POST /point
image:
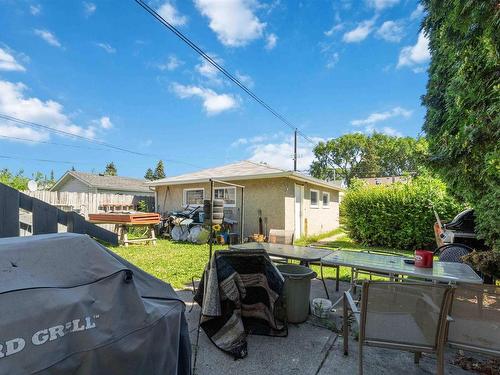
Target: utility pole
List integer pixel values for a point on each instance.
(295, 151)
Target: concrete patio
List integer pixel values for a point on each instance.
(308, 349)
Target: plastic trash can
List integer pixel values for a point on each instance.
(297, 291)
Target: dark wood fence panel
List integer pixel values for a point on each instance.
(9, 212)
(45, 217)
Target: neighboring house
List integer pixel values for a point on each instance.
(385, 180)
(81, 182)
(284, 199)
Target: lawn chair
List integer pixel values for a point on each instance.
(475, 321)
(240, 293)
(404, 316)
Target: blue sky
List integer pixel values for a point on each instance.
(108, 70)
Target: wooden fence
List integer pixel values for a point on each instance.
(45, 217)
(91, 203)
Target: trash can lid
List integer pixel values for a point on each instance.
(296, 271)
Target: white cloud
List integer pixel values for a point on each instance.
(170, 14)
(48, 37)
(206, 69)
(332, 60)
(257, 139)
(245, 79)
(233, 21)
(89, 8)
(335, 28)
(13, 102)
(382, 116)
(418, 12)
(382, 4)
(391, 31)
(213, 103)
(415, 56)
(9, 63)
(171, 64)
(271, 41)
(106, 47)
(359, 33)
(35, 9)
(105, 122)
(391, 131)
(280, 152)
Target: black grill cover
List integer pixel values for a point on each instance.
(68, 305)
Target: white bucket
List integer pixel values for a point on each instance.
(320, 307)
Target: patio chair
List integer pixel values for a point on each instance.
(475, 323)
(240, 293)
(403, 316)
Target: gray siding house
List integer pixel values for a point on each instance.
(80, 182)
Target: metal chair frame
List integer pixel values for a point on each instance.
(361, 314)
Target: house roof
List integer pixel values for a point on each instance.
(97, 181)
(241, 170)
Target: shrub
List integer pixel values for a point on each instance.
(398, 215)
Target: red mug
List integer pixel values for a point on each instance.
(423, 258)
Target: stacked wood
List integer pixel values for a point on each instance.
(139, 218)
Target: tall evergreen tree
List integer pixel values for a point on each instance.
(159, 170)
(110, 169)
(149, 175)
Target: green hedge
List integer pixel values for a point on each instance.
(399, 215)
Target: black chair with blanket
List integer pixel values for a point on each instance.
(240, 293)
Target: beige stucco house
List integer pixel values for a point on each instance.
(283, 199)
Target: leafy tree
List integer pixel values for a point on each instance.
(149, 175)
(17, 181)
(159, 170)
(376, 155)
(110, 169)
(463, 106)
(52, 178)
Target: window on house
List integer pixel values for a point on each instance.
(326, 199)
(228, 194)
(314, 198)
(193, 196)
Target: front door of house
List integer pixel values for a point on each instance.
(299, 195)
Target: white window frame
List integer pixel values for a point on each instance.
(228, 188)
(322, 200)
(317, 198)
(184, 196)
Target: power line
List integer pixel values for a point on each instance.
(50, 143)
(230, 76)
(62, 132)
(42, 160)
(86, 139)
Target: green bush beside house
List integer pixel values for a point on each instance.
(399, 215)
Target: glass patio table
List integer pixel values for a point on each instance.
(393, 266)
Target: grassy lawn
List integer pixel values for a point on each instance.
(173, 262)
(176, 263)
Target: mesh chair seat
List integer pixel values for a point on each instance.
(405, 316)
(476, 319)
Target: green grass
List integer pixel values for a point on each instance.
(177, 263)
(305, 241)
(173, 262)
